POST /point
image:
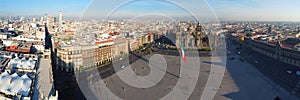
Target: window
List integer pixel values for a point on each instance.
(46, 56)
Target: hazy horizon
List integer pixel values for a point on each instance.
(224, 10)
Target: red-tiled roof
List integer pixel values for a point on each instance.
(272, 43)
(291, 41)
(69, 31)
(287, 46)
(16, 49)
(104, 41)
(57, 43)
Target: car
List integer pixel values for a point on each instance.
(122, 67)
(228, 52)
(2, 68)
(239, 53)
(298, 73)
(209, 53)
(120, 58)
(277, 98)
(242, 60)
(289, 71)
(256, 62)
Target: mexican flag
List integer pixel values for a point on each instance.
(182, 51)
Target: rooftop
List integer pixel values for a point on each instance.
(12, 84)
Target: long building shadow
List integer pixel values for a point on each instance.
(248, 82)
(147, 61)
(214, 63)
(64, 82)
(108, 70)
(251, 85)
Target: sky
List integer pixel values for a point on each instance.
(277, 10)
(258, 10)
(41, 7)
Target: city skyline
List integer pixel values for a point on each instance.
(153, 49)
(248, 10)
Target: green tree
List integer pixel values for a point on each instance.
(208, 49)
(248, 35)
(122, 53)
(81, 67)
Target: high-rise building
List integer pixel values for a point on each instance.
(21, 18)
(269, 30)
(60, 19)
(46, 20)
(33, 19)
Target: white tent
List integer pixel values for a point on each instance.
(5, 82)
(2, 75)
(22, 63)
(14, 62)
(26, 85)
(14, 84)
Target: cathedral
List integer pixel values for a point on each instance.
(191, 36)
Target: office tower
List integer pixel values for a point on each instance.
(60, 19)
(269, 29)
(21, 18)
(33, 19)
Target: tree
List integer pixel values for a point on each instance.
(248, 35)
(208, 49)
(122, 53)
(145, 44)
(147, 51)
(81, 67)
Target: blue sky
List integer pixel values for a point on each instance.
(276, 10)
(40, 7)
(286, 10)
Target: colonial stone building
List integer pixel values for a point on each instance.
(120, 48)
(88, 55)
(193, 36)
(77, 55)
(103, 54)
(283, 51)
(68, 58)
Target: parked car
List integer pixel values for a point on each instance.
(298, 72)
(289, 71)
(122, 66)
(242, 60)
(2, 68)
